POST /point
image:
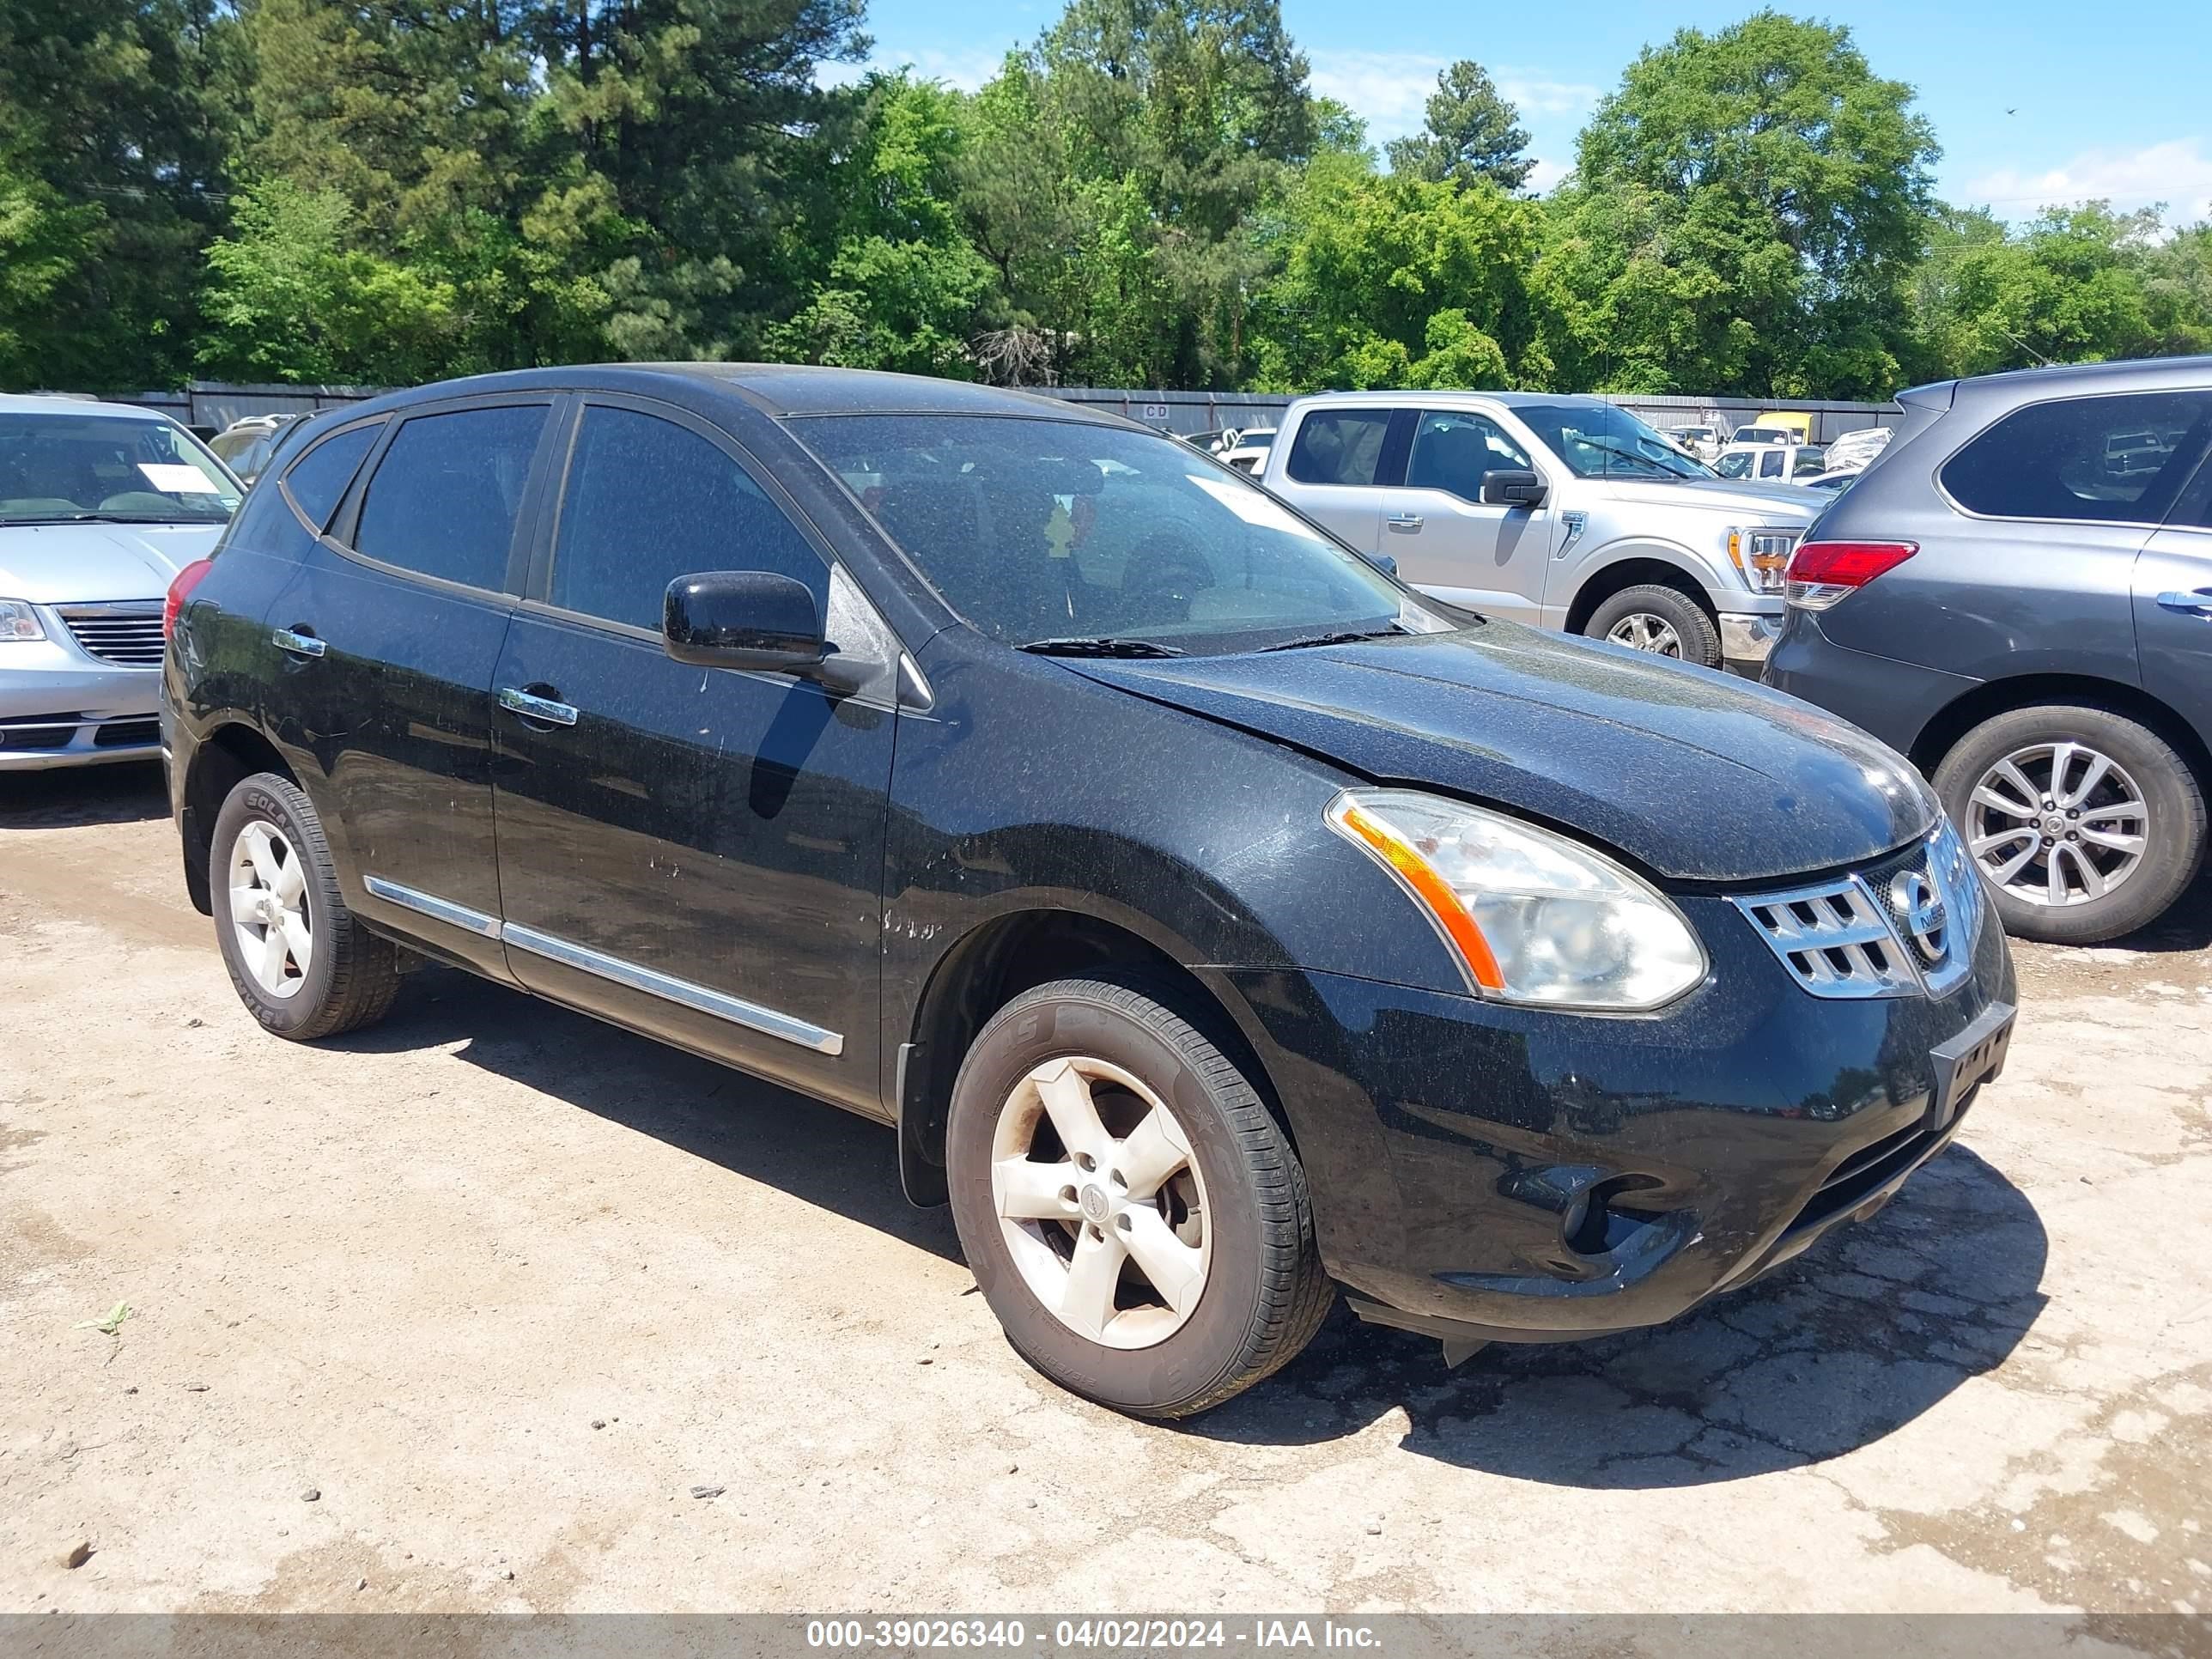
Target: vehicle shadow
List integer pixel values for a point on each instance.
(2187, 926)
(68, 797)
(827, 1157)
(1864, 1332)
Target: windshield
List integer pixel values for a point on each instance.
(1044, 530)
(1598, 441)
(61, 468)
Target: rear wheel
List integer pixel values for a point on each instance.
(2086, 824)
(1660, 620)
(301, 963)
(1133, 1215)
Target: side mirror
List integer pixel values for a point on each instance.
(1383, 562)
(743, 619)
(1512, 487)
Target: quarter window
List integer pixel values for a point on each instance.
(444, 499)
(1340, 447)
(321, 476)
(648, 501)
(1456, 452)
(2110, 458)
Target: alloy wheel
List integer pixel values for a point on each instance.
(2058, 823)
(1101, 1202)
(1640, 630)
(269, 908)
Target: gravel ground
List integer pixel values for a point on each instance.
(496, 1308)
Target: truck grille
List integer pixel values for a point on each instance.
(127, 635)
(1903, 927)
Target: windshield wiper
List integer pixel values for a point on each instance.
(1333, 639)
(110, 517)
(1100, 645)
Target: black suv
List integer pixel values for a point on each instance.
(1217, 920)
(2018, 594)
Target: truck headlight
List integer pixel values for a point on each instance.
(1761, 555)
(1532, 916)
(18, 620)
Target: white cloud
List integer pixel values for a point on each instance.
(1390, 89)
(2177, 173)
(967, 68)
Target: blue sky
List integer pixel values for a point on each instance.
(2106, 100)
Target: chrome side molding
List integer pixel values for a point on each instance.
(429, 904)
(750, 1015)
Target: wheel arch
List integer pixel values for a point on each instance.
(1635, 570)
(1944, 729)
(230, 751)
(994, 963)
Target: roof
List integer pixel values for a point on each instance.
(63, 402)
(778, 389)
(1510, 399)
(2082, 380)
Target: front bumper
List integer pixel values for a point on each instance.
(1448, 1141)
(1747, 639)
(61, 708)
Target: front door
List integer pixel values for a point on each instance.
(696, 852)
(1446, 541)
(390, 644)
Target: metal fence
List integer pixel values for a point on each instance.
(214, 403)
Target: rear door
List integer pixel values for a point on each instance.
(1338, 461)
(1446, 541)
(695, 852)
(391, 631)
(2173, 605)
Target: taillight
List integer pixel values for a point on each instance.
(180, 589)
(1820, 573)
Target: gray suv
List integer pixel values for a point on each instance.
(2018, 595)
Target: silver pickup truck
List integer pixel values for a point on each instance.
(1560, 511)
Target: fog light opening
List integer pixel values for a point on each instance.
(1596, 1222)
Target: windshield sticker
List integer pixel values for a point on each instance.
(174, 478)
(1254, 506)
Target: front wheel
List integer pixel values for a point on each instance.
(1660, 620)
(2086, 824)
(1133, 1215)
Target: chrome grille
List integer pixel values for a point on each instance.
(129, 636)
(1902, 926)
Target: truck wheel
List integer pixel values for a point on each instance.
(2085, 824)
(303, 966)
(1133, 1213)
(1660, 620)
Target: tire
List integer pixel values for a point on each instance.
(2041, 743)
(350, 974)
(1697, 636)
(1262, 1292)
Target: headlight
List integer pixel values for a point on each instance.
(19, 622)
(1533, 917)
(1761, 555)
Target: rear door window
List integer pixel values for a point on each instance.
(2120, 459)
(1340, 447)
(444, 499)
(647, 501)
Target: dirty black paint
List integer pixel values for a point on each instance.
(829, 855)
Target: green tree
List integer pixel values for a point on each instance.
(114, 130)
(1764, 178)
(1474, 132)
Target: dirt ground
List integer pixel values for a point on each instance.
(463, 1313)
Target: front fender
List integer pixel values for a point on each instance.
(1596, 554)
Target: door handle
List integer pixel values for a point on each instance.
(298, 642)
(2198, 604)
(531, 707)
(1404, 521)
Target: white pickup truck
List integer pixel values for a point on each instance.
(1563, 512)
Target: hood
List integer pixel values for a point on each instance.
(1696, 775)
(1748, 503)
(76, 564)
